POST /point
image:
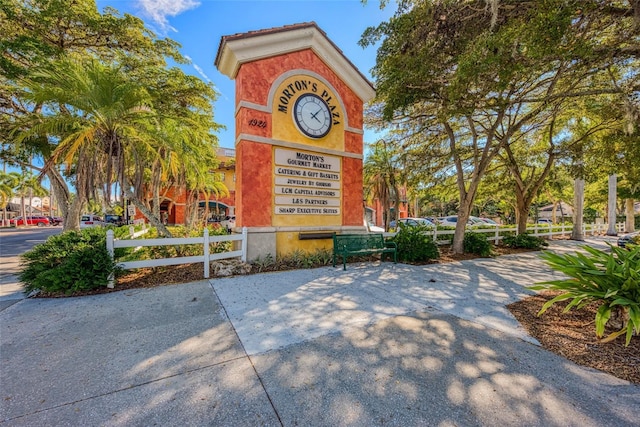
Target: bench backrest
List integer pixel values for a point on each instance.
(356, 242)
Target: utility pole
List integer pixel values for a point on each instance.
(611, 208)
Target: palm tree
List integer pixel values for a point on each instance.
(109, 132)
(28, 186)
(102, 119)
(380, 179)
(8, 184)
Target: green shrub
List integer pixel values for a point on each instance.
(293, 260)
(524, 240)
(476, 243)
(319, 257)
(415, 244)
(610, 278)
(264, 263)
(68, 263)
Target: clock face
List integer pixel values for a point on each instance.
(312, 116)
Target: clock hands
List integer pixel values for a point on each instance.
(313, 116)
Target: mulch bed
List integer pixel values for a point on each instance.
(573, 336)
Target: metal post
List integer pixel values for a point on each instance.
(244, 244)
(111, 251)
(206, 253)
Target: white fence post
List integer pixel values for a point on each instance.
(495, 242)
(244, 244)
(111, 251)
(206, 253)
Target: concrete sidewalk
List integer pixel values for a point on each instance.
(379, 344)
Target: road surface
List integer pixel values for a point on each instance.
(13, 243)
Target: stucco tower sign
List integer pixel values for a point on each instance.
(299, 138)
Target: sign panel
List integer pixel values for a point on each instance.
(292, 210)
(306, 183)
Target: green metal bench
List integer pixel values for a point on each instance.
(362, 244)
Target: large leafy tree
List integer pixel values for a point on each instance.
(38, 33)
(106, 125)
(99, 118)
(474, 77)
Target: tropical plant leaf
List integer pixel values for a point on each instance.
(610, 278)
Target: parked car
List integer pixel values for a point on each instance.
(412, 222)
(452, 220)
(229, 222)
(625, 239)
(544, 221)
(114, 219)
(39, 220)
(90, 220)
(373, 228)
(55, 220)
(488, 221)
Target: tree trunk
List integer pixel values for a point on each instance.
(156, 222)
(522, 211)
(554, 215)
(30, 201)
(522, 221)
(578, 208)
(464, 210)
(72, 220)
(23, 211)
(629, 220)
(60, 190)
(611, 208)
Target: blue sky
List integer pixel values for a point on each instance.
(198, 26)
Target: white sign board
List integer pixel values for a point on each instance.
(306, 183)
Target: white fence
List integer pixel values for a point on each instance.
(205, 241)
(498, 233)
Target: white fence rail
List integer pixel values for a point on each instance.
(498, 233)
(206, 240)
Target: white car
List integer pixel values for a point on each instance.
(452, 220)
(489, 221)
(229, 222)
(412, 222)
(90, 220)
(373, 228)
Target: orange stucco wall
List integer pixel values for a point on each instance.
(254, 170)
(352, 187)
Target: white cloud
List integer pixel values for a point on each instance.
(160, 10)
(198, 68)
(201, 72)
